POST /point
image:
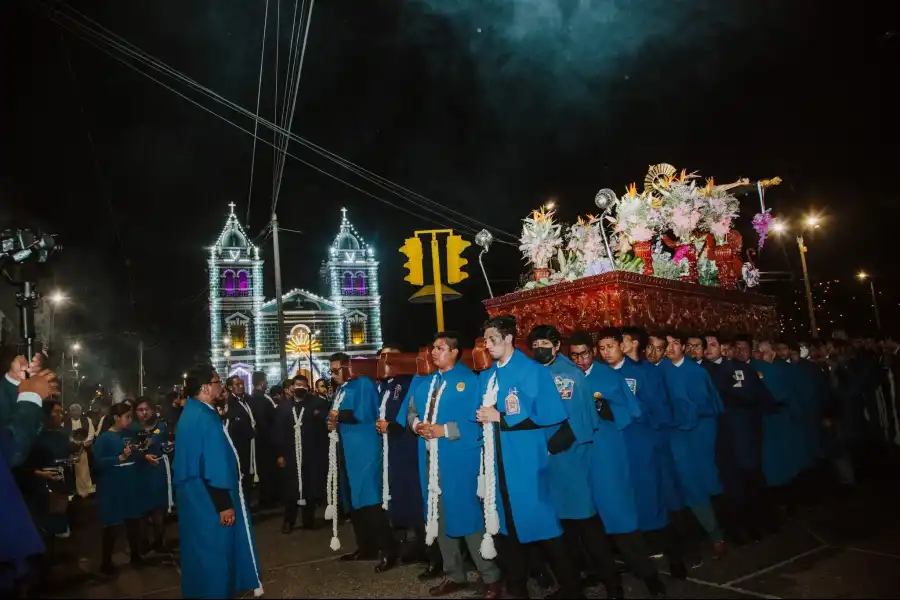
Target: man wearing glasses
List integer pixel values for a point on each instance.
(218, 550)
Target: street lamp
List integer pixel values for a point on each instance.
(58, 297)
(862, 276)
(76, 346)
(810, 222)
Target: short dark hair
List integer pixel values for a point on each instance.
(743, 337)
(233, 380)
(699, 336)
(197, 377)
(638, 334)
(142, 400)
(275, 390)
(504, 324)
(49, 404)
(544, 332)
(258, 378)
(581, 338)
(299, 377)
(396, 347)
(711, 334)
(321, 380)
(119, 409)
(656, 333)
(452, 338)
(681, 336)
(341, 357)
(610, 332)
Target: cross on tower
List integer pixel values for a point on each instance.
(232, 205)
(344, 213)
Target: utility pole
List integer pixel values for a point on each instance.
(809, 299)
(141, 367)
(279, 306)
(438, 288)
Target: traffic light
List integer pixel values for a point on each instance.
(413, 250)
(455, 262)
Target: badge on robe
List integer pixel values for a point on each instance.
(738, 375)
(565, 387)
(759, 374)
(632, 385)
(512, 402)
(397, 389)
(460, 386)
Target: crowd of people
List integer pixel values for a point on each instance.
(569, 461)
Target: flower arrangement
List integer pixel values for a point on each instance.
(761, 223)
(541, 238)
(718, 210)
(638, 217)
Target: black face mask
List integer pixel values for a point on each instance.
(543, 355)
(300, 393)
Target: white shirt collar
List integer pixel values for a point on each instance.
(679, 363)
(700, 361)
(718, 361)
(501, 364)
(12, 380)
(618, 365)
(589, 369)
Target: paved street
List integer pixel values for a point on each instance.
(845, 548)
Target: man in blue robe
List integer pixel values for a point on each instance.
(739, 440)
(696, 407)
(354, 419)
(405, 506)
(811, 389)
(647, 441)
(528, 420)
(610, 470)
(218, 549)
(440, 411)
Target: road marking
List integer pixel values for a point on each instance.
(874, 552)
(776, 566)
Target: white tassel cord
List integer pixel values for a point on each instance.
(259, 588)
(487, 484)
(298, 454)
(331, 485)
(385, 480)
(434, 488)
(165, 459)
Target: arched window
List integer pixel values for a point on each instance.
(357, 332)
(238, 336)
(228, 282)
(243, 283)
(347, 287)
(359, 283)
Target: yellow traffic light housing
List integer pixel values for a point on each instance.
(455, 262)
(413, 251)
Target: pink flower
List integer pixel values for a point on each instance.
(641, 233)
(720, 228)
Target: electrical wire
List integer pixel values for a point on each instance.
(139, 55)
(262, 56)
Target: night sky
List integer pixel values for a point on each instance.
(488, 107)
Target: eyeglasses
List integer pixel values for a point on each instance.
(577, 355)
(694, 345)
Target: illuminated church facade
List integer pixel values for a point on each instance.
(244, 334)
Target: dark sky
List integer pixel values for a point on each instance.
(489, 109)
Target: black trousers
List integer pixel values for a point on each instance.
(372, 529)
(108, 541)
(269, 479)
(307, 513)
(589, 546)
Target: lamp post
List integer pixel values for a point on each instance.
(811, 222)
(862, 275)
(57, 299)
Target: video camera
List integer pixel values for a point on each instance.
(17, 248)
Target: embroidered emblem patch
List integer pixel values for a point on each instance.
(760, 374)
(460, 386)
(632, 385)
(738, 375)
(512, 402)
(565, 387)
(397, 389)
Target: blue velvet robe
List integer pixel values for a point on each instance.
(361, 442)
(118, 495)
(812, 390)
(405, 507)
(696, 407)
(458, 460)
(647, 441)
(610, 472)
(783, 450)
(569, 488)
(216, 561)
(526, 391)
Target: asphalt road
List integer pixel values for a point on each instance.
(847, 547)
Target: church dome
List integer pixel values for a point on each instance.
(234, 239)
(347, 241)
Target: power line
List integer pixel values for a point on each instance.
(262, 55)
(134, 52)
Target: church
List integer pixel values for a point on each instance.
(243, 324)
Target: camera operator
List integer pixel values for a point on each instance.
(22, 414)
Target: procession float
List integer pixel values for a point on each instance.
(667, 256)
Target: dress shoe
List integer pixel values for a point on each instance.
(287, 527)
(432, 572)
(386, 564)
(492, 591)
(677, 570)
(656, 587)
(447, 587)
(719, 550)
(543, 578)
(357, 555)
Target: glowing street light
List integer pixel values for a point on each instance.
(810, 222)
(862, 276)
(76, 346)
(58, 297)
(779, 227)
